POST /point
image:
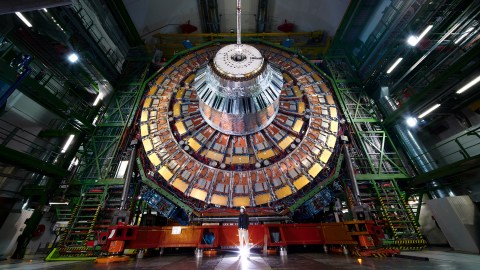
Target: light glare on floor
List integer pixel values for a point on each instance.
(244, 252)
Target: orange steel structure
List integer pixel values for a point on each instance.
(226, 236)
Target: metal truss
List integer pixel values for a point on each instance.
(375, 155)
(101, 154)
(376, 161)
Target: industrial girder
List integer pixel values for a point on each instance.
(30, 163)
(444, 76)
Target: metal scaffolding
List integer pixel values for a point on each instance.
(376, 162)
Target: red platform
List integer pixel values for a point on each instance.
(226, 236)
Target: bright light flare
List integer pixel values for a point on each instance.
(411, 121)
(244, 252)
(73, 57)
(58, 203)
(413, 40)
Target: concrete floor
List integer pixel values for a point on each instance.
(305, 261)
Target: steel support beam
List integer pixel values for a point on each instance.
(419, 98)
(91, 49)
(100, 182)
(53, 133)
(120, 13)
(32, 89)
(30, 163)
(30, 5)
(377, 157)
(446, 171)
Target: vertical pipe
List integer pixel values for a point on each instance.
(201, 9)
(416, 151)
(128, 174)
(351, 174)
(262, 15)
(239, 23)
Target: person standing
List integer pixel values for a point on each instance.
(243, 228)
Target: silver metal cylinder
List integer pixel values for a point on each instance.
(239, 22)
(238, 95)
(351, 174)
(128, 175)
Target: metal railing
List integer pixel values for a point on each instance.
(104, 41)
(50, 81)
(462, 146)
(23, 141)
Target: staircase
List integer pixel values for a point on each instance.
(389, 205)
(63, 213)
(112, 203)
(81, 225)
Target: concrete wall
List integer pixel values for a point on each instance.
(429, 227)
(459, 220)
(148, 15)
(307, 15)
(42, 244)
(228, 15)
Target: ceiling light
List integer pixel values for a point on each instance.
(412, 40)
(394, 65)
(425, 32)
(24, 20)
(45, 10)
(73, 57)
(468, 85)
(58, 203)
(431, 109)
(95, 121)
(99, 97)
(464, 35)
(411, 121)
(67, 144)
